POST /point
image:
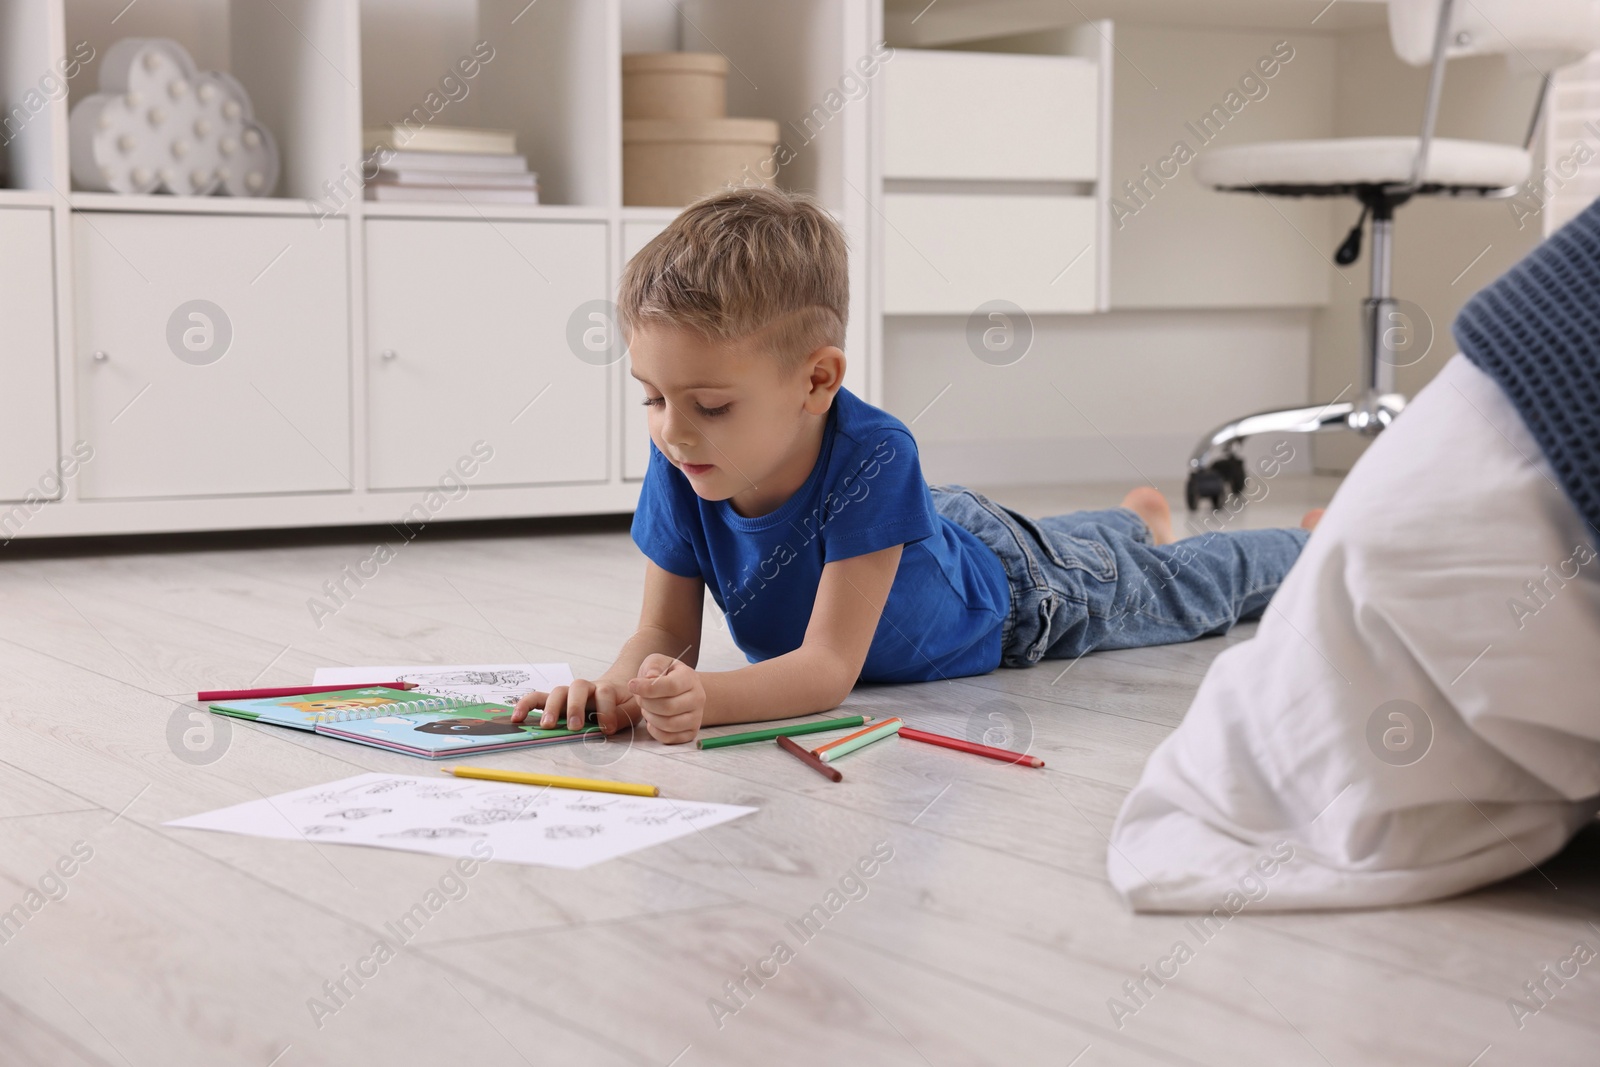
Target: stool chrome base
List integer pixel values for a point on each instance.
(1216, 468)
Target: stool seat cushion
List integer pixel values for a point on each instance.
(1349, 161)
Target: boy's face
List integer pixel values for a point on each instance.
(735, 419)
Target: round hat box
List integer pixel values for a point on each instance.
(671, 162)
(674, 85)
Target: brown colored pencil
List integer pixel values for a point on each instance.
(809, 760)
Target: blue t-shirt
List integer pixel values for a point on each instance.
(950, 595)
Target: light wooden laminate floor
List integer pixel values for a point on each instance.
(990, 937)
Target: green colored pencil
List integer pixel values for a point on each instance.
(782, 731)
(829, 753)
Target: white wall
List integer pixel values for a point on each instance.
(1140, 388)
(1212, 294)
(650, 26)
(201, 26)
(1188, 245)
(406, 45)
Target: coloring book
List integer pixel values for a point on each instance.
(408, 721)
(488, 683)
(449, 816)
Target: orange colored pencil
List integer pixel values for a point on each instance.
(879, 725)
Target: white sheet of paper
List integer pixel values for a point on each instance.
(447, 816)
(485, 683)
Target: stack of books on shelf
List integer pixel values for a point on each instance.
(449, 163)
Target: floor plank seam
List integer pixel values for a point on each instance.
(66, 1039)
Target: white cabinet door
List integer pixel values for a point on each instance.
(212, 354)
(476, 331)
(635, 427)
(977, 115)
(950, 253)
(28, 356)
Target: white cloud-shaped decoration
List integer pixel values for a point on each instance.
(159, 125)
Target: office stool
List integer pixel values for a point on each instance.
(1383, 173)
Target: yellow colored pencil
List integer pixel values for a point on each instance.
(555, 781)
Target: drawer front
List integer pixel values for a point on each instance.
(978, 116)
(947, 254)
(468, 327)
(28, 366)
(212, 354)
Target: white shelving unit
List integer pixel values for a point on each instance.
(986, 199)
(370, 346)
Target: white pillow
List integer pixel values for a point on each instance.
(1419, 712)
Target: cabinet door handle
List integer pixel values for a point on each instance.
(101, 357)
(387, 353)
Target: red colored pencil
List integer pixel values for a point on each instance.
(967, 746)
(206, 695)
(809, 760)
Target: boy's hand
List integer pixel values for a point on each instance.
(614, 707)
(671, 696)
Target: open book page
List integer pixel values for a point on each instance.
(484, 683)
(459, 817)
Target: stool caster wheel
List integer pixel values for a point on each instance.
(1205, 484)
(1232, 470)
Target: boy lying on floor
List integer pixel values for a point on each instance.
(804, 509)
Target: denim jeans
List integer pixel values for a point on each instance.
(1093, 579)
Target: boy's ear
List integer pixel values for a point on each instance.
(825, 374)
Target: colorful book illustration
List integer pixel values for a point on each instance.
(454, 732)
(483, 683)
(415, 723)
(305, 711)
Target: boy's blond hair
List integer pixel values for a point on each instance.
(756, 263)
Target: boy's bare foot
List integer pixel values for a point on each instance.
(1151, 506)
(1310, 519)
